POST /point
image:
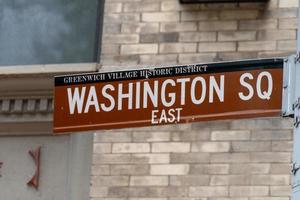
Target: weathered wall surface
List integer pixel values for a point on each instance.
(241, 159)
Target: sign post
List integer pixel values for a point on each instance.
(296, 108)
(168, 95)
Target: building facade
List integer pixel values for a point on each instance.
(221, 160)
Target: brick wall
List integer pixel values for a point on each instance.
(239, 160)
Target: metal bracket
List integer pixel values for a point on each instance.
(297, 57)
(296, 104)
(296, 122)
(295, 168)
(289, 78)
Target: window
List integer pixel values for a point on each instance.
(49, 31)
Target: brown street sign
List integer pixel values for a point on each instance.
(168, 95)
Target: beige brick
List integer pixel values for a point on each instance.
(270, 180)
(121, 18)
(281, 190)
(147, 198)
(149, 181)
(139, 49)
(160, 17)
(151, 136)
(191, 135)
(278, 125)
(250, 168)
(102, 136)
(176, 6)
(230, 158)
(209, 169)
(208, 191)
(132, 28)
(171, 147)
(196, 58)
(288, 4)
(141, 7)
(110, 180)
(151, 158)
(118, 191)
(111, 28)
(196, 16)
(134, 169)
(189, 157)
(171, 191)
(241, 191)
(230, 135)
(239, 14)
(98, 191)
(272, 54)
(165, 59)
(276, 35)
(111, 159)
(282, 146)
(189, 180)
(131, 148)
(272, 135)
(172, 169)
(210, 147)
(257, 46)
(102, 148)
(113, 7)
(271, 157)
(118, 60)
(178, 27)
(281, 13)
(229, 56)
(110, 49)
(288, 23)
(258, 24)
(280, 168)
(216, 47)
(236, 36)
(197, 36)
(177, 48)
(288, 45)
(251, 146)
(120, 39)
(269, 198)
(218, 25)
(223, 180)
(100, 170)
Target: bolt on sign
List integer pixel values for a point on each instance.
(168, 95)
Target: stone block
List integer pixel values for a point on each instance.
(160, 17)
(230, 135)
(131, 148)
(190, 157)
(134, 169)
(208, 191)
(171, 169)
(197, 37)
(218, 25)
(177, 48)
(217, 46)
(191, 180)
(139, 49)
(149, 180)
(209, 169)
(178, 27)
(211, 147)
(171, 147)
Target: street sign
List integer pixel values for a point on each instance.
(168, 95)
